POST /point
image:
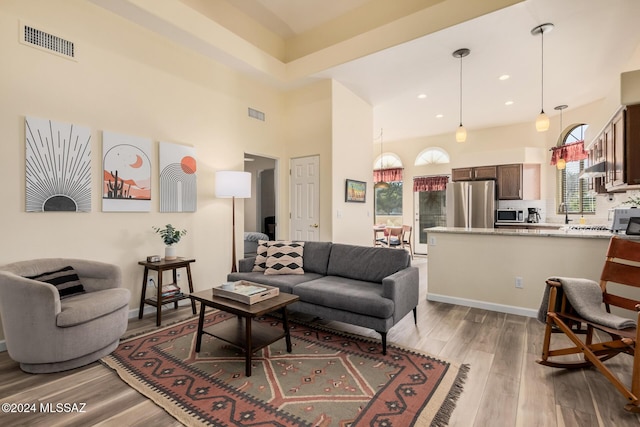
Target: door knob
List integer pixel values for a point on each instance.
(314, 225)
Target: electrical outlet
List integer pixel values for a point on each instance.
(150, 281)
(519, 283)
(178, 276)
(432, 240)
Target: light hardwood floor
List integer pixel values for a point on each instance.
(505, 387)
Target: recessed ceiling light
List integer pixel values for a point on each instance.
(508, 103)
(504, 77)
(422, 96)
(439, 116)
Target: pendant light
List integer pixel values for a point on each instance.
(542, 121)
(461, 132)
(561, 163)
(381, 185)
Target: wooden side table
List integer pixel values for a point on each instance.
(160, 267)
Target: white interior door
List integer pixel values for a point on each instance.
(305, 199)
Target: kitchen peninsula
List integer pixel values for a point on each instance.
(505, 269)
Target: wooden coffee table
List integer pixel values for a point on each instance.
(243, 333)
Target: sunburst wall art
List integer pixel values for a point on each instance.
(178, 189)
(58, 166)
(126, 165)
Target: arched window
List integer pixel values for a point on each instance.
(432, 155)
(387, 161)
(572, 193)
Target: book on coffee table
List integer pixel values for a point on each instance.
(247, 292)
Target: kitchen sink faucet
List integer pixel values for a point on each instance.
(563, 206)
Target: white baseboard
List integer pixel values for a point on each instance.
(501, 308)
(133, 313)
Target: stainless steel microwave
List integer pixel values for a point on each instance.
(509, 215)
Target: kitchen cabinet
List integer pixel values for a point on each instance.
(518, 182)
(632, 145)
(476, 173)
(618, 147)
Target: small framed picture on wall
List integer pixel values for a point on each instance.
(355, 191)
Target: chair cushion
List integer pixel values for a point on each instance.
(91, 305)
(66, 280)
(285, 258)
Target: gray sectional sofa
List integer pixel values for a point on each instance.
(364, 286)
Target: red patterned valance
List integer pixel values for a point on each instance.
(569, 152)
(430, 183)
(387, 175)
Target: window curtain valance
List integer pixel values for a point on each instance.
(387, 175)
(569, 152)
(430, 183)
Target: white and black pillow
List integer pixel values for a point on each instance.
(260, 264)
(66, 280)
(285, 258)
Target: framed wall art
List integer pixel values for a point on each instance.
(58, 166)
(126, 162)
(178, 183)
(355, 191)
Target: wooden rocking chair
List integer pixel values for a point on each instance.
(619, 268)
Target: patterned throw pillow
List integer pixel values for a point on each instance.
(284, 258)
(260, 264)
(66, 280)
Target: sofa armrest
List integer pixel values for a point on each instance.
(245, 265)
(403, 288)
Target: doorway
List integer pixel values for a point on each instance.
(430, 211)
(305, 198)
(260, 209)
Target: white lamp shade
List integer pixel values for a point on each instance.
(233, 184)
(542, 122)
(461, 134)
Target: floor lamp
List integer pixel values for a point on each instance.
(233, 184)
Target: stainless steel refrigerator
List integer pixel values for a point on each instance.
(471, 204)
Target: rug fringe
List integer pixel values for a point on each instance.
(441, 419)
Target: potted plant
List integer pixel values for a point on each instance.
(170, 236)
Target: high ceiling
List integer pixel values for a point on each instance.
(591, 43)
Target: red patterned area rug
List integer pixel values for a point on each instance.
(329, 379)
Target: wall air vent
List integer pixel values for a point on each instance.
(256, 114)
(42, 40)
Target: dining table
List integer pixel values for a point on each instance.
(379, 231)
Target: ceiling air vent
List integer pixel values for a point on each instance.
(48, 42)
(256, 114)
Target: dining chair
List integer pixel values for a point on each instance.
(391, 237)
(404, 239)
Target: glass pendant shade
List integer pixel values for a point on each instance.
(561, 164)
(542, 122)
(381, 185)
(461, 134)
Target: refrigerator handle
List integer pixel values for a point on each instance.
(470, 210)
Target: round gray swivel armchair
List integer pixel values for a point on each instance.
(45, 333)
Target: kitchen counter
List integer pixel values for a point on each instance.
(535, 232)
(505, 269)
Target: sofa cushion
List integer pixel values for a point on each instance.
(316, 257)
(285, 258)
(366, 263)
(66, 280)
(285, 283)
(350, 295)
(82, 308)
(260, 264)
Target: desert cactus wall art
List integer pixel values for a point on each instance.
(127, 173)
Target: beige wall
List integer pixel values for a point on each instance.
(463, 271)
(131, 81)
(352, 122)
